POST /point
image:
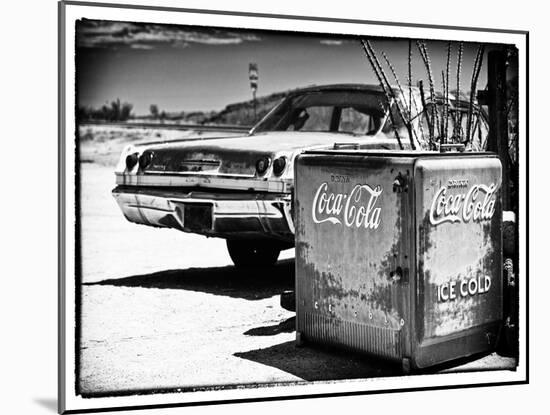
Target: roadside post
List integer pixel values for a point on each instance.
(253, 77)
(498, 123)
(498, 142)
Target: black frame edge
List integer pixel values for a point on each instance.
(61, 171)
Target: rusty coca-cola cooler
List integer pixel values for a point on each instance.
(399, 254)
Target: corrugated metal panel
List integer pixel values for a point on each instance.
(380, 341)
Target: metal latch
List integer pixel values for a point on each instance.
(509, 268)
(400, 183)
(399, 275)
(396, 275)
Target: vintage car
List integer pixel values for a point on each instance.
(240, 188)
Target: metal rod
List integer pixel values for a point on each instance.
(392, 121)
(384, 89)
(473, 86)
(471, 98)
(446, 107)
(412, 97)
(408, 120)
(388, 85)
(428, 120)
(410, 76)
(419, 115)
(427, 63)
(458, 116)
(444, 115)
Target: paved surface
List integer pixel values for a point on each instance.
(162, 309)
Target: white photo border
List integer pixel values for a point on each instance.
(69, 12)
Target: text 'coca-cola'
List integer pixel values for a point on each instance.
(356, 209)
(477, 204)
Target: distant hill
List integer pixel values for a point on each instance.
(240, 113)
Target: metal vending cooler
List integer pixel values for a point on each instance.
(399, 254)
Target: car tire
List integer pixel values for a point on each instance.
(249, 253)
(288, 300)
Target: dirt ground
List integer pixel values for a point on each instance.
(162, 309)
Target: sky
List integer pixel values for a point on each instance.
(188, 68)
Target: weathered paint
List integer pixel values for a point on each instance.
(458, 249)
(382, 277)
(344, 273)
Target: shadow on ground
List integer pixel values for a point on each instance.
(321, 362)
(254, 283)
(286, 326)
(48, 403)
(313, 363)
(485, 361)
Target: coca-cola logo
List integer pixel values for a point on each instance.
(356, 209)
(477, 204)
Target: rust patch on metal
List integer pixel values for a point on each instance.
(424, 234)
(463, 311)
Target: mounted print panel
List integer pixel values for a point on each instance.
(251, 211)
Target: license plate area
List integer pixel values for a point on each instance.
(197, 216)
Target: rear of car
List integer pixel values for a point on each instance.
(211, 189)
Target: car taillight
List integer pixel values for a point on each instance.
(279, 165)
(262, 165)
(131, 161)
(145, 159)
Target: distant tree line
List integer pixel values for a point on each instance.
(195, 117)
(116, 111)
(241, 113)
(156, 114)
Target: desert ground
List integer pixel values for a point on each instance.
(163, 310)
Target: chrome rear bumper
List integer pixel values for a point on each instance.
(226, 215)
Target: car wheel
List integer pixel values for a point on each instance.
(247, 253)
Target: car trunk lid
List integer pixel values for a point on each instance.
(235, 156)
